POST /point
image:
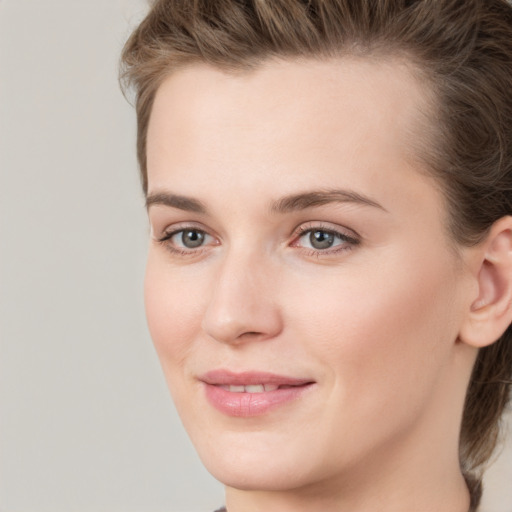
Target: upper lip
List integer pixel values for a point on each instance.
(248, 378)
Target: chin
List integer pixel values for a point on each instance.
(257, 477)
(259, 462)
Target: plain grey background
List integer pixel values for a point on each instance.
(86, 423)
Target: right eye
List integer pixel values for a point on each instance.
(189, 238)
(186, 240)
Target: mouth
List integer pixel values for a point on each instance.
(253, 388)
(249, 394)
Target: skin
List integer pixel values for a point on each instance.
(374, 321)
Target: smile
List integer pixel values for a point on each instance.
(251, 394)
(253, 388)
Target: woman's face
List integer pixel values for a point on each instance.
(301, 291)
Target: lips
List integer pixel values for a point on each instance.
(250, 394)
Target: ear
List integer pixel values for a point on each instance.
(491, 312)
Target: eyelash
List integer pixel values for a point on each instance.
(349, 242)
(165, 241)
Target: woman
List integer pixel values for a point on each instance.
(329, 279)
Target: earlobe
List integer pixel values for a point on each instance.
(491, 312)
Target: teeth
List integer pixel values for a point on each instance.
(256, 388)
(237, 389)
(253, 388)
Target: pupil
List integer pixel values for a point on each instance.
(192, 239)
(321, 239)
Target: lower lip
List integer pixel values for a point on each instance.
(246, 405)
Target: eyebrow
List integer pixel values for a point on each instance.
(295, 202)
(176, 201)
(306, 200)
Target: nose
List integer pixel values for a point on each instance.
(243, 305)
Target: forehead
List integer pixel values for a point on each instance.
(289, 119)
(378, 94)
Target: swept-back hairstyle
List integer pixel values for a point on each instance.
(463, 50)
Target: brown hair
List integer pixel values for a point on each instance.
(463, 47)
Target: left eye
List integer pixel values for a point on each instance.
(321, 239)
(189, 238)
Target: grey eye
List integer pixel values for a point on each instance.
(321, 239)
(192, 238)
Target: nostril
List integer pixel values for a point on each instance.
(251, 336)
(234, 316)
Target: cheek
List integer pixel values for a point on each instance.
(173, 311)
(384, 341)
